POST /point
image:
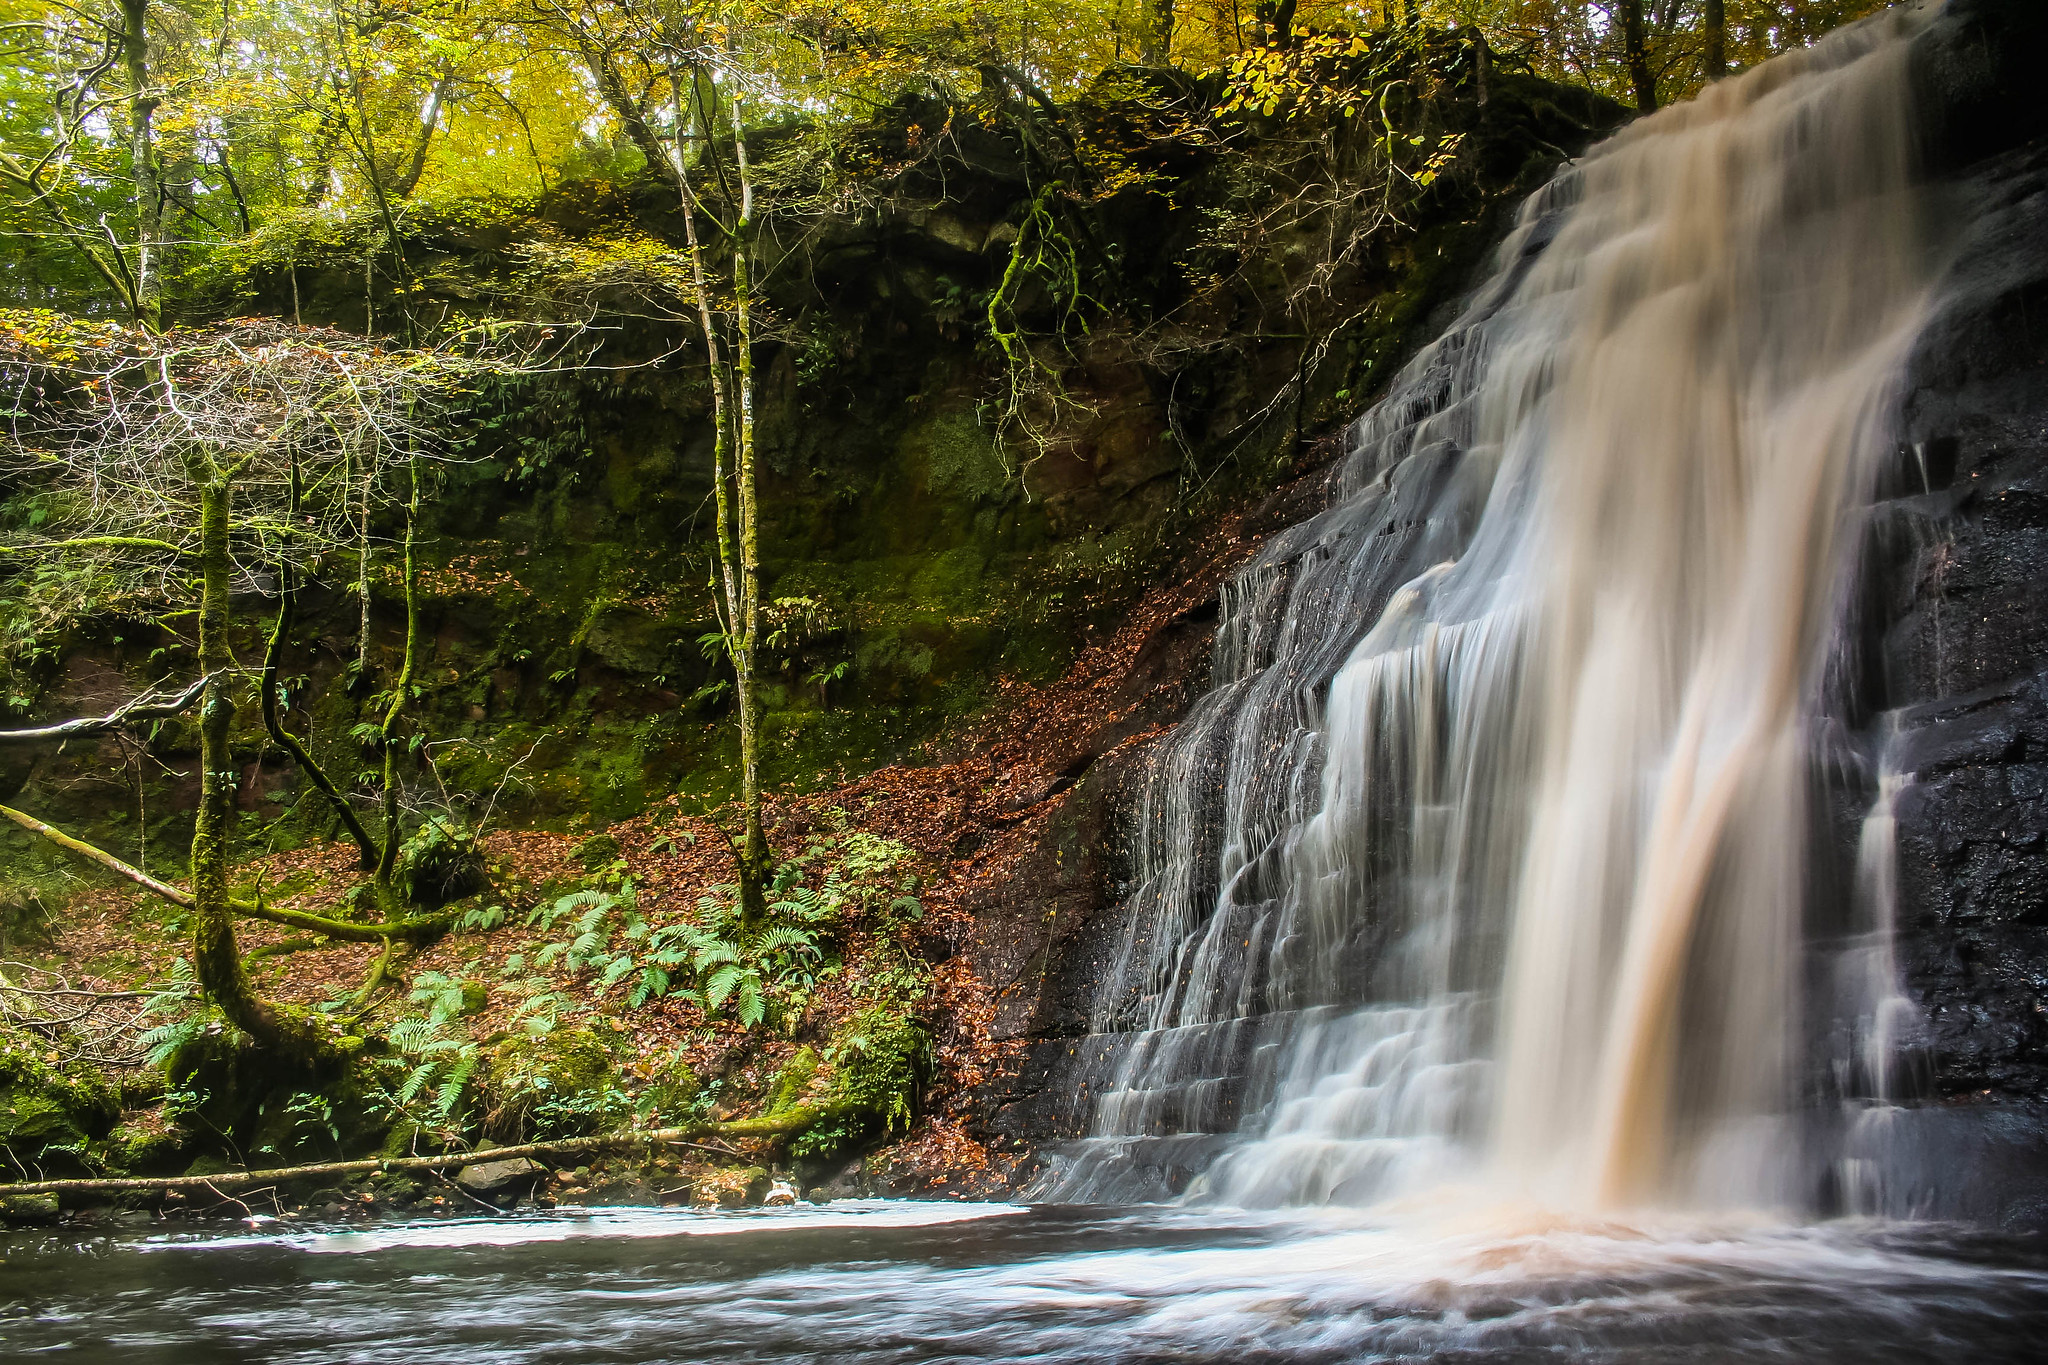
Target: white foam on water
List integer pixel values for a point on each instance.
(602, 1222)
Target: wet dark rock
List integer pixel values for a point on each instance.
(1959, 643)
(512, 1176)
(1947, 680)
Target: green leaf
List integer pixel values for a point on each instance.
(721, 984)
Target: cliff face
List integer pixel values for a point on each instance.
(1960, 576)
(1947, 637)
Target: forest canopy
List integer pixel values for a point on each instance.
(142, 139)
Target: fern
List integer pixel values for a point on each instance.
(714, 954)
(720, 984)
(482, 921)
(653, 982)
(786, 938)
(164, 1041)
(415, 1082)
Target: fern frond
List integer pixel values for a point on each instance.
(721, 983)
(714, 953)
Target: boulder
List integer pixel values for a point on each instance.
(511, 1175)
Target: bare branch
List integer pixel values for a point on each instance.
(151, 705)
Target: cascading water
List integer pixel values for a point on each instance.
(1484, 859)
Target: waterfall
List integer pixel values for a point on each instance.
(1484, 860)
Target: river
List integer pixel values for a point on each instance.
(900, 1282)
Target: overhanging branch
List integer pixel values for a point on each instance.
(151, 705)
(408, 930)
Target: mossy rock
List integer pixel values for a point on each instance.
(28, 1208)
(879, 1062)
(553, 1085)
(597, 852)
(229, 1091)
(440, 863)
(46, 1114)
(791, 1085)
(145, 1147)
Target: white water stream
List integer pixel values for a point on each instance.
(1485, 860)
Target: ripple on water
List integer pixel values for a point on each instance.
(913, 1282)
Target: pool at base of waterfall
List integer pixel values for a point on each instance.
(906, 1281)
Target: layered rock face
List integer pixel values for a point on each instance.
(1942, 693)
(1959, 636)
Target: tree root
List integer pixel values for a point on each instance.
(782, 1124)
(279, 949)
(380, 974)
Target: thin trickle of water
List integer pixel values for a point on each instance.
(1485, 858)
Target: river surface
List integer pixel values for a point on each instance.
(876, 1281)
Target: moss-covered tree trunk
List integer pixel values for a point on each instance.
(216, 957)
(738, 597)
(754, 856)
(401, 690)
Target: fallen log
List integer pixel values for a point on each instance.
(781, 1124)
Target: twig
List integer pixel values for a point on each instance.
(457, 1187)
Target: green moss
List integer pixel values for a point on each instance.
(791, 1085)
(145, 1147)
(45, 1113)
(879, 1060)
(561, 1084)
(958, 457)
(28, 1208)
(596, 852)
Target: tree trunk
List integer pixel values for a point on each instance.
(1276, 22)
(754, 857)
(142, 104)
(734, 613)
(1155, 47)
(215, 958)
(416, 164)
(400, 689)
(1715, 59)
(632, 116)
(1636, 54)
